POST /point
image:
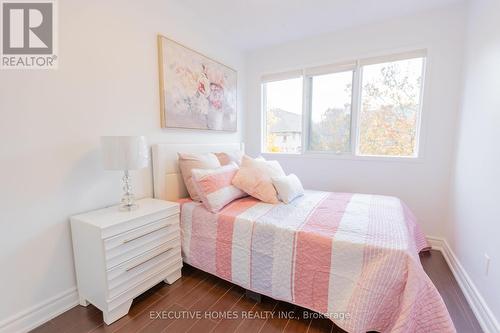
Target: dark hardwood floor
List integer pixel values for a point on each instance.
(199, 293)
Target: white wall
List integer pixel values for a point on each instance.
(51, 121)
(424, 185)
(107, 83)
(474, 227)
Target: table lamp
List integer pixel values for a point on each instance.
(125, 153)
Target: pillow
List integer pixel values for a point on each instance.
(231, 156)
(188, 162)
(255, 178)
(288, 187)
(214, 186)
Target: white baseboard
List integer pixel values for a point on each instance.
(484, 315)
(40, 313)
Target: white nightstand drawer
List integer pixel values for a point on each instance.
(133, 272)
(109, 231)
(128, 245)
(137, 234)
(141, 287)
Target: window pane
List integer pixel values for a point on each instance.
(283, 107)
(390, 108)
(330, 128)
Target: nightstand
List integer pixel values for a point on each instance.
(121, 254)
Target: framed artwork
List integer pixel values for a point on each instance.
(195, 91)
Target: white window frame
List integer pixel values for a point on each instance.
(356, 67)
(379, 60)
(271, 78)
(307, 94)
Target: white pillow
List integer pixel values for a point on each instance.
(288, 187)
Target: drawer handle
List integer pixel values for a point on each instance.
(145, 234)
(145, 261)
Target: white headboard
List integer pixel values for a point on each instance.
(167, 178)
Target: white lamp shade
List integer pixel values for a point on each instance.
(124, 152)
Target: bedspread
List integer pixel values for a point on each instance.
(352, 257)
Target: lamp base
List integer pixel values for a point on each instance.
(128, 208)
(128, 198)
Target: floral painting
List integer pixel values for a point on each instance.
(196, 91)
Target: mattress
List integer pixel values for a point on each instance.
(352, 257)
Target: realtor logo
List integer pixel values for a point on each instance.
(28, 34)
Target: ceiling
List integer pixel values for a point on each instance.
(250, 24)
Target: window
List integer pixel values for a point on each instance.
(390, 105)
(368, 107)
(283, 115)
(330, 122)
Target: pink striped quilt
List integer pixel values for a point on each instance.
(352, 257)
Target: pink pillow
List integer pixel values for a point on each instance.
(188, 162)
(255, 178)
(214, 186)
(231, 156)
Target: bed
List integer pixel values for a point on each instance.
(352, 257)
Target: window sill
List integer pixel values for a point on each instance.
(346, 157)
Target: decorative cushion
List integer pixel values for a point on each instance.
(214, 186)
(231, 156)
(255, 178)
(288, 187)
(188, 162)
